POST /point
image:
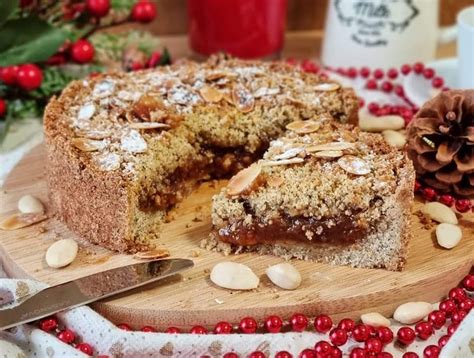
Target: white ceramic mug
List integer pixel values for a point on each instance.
(466, 48)
(382, 33)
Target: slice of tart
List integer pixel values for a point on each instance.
(323, 192)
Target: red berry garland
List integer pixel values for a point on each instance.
(322, 323)
(273, 324)
(406, 335)
(248, 325)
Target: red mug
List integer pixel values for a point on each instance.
(242, 28)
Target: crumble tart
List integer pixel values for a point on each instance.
(124, 148)
(324, 192)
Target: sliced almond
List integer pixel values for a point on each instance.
(94, 134)
(327, 87)
(243, 99)
(215, 75)
(243, 179)
(147, 104)
(448, 235)
(148, 125)
(210, 94)
(328, 154)
(18, 221)
(29, 204)
(88, 145)
(354, 165)
(289, 153)
(152, 254)
(273, 163)
(440, 213)
(275, 181)
(303, 127)
(330, 146)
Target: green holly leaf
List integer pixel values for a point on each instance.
(28, 40)
(7, 8)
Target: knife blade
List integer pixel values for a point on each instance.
(89, 289)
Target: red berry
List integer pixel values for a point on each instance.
(173, 330)
(309, 66)
(346, 324)
(466, 305)
(365, 72)
(429, 194)
(124, 326)
(448, 307)
(283, 354)
(9, 75)
(154, 59)
(371, 84)
(384, 355)
(29, 77)
(360, 333)
(373, 345)
(468, 282)
(322, 323)
(85, 348)
(406, 335)
(387, 86)
(223, 328)
(437, 319)
(446, 199)
(56, 59)
(248, 325)
(338, 336)
(198, 330)
(418, 67)
(410, 355)
(257, 354)
(452, 328)
(352, 72)
(385, 334)
(308, 353)
(67, 336)
(98, 8)
(341, 71)
(373, 107)
(358, 352)
(457, 294)
(82, 51)
(322, 348)
(336, 353)
(405, 69)
(463, 205)
(392, 73)
(437, 82)
(148, 329)
(424, 330)
(231, 355)
(417, 185)
(144, 11)
(46, 324)
(291, 61)
(299, 322)
(273, 324)
(372, 330)
(399, 90)
(443, 340)
(428, 73)
(431, 351)
(378, 73)
(458, 316)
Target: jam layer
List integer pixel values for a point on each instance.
(342, 230)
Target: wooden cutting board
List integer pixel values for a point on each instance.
(191, 298)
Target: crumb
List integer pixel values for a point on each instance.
(42, 229)
(425, 220)
(213, 184)
(218, 301)
(188, 225)
(207, 271)
(195, 253)
(198, 218)
(276, 295)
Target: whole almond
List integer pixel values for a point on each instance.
(371, 123)
(30, 204)
(375, 319)
(394, 138)
(61, 253)
(234, 276)
(284, 275)
(440, 213)
(448, 235)
(412, 312)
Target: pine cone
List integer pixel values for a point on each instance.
(441, 142)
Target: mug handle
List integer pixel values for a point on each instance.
(447, 34)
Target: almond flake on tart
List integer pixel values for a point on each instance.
(327, 87)
(18, 221)
(354, 165)
(328, 154)
(88, 145)
(330, 146)
(303, 127)
(243, 180)
(210, 94)
(273, 163)
(243, 100)
(148, 125)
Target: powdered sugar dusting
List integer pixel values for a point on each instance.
(133, 142)
(108, 161)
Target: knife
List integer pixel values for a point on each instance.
(89, 289)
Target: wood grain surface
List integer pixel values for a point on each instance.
(192, 298)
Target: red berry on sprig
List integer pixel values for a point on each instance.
(98, 8)
(8, 75)
(143, 11)
(3, 107)
(29, 77)
(82, 51)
